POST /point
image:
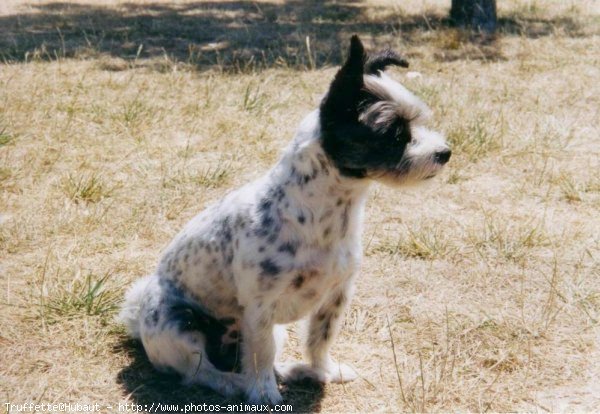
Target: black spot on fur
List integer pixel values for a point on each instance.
(151, 319)
(226, 233)
(325, 329)
(269, 268)
(264, 206)
(345, 218)
(269, 217)
(298, 281)
(324, 164)
(301, 218)
(240, 223)
(277, 193)
(288, 247)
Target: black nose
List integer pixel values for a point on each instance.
(442, 157)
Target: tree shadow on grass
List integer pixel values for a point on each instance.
(235, 35)
(238, 35)
(147, 387)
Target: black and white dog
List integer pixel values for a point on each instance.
(287, 246)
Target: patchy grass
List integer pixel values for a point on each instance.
(510, 241)
(424, 242)
(119, 121)
(85, 188)
(87, 295)
(5, 138)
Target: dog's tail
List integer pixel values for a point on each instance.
(130, 310)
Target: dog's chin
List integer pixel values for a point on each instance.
(401, 179)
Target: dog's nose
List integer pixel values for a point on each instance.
(442, 157)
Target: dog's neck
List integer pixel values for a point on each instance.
(325, 202)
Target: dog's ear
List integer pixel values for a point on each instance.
(344, 93)
(379, 61)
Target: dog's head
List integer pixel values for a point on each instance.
(373, 127)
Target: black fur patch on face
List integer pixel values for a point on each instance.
(361, 131)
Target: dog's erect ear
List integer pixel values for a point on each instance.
(344, 92)
(355, 63)
(383, 59)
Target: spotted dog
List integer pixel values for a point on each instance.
(287, 246)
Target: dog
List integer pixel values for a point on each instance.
(287, 246)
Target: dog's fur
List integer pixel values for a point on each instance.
(286, 246)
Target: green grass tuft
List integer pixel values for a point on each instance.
(90, 296)
(88, 188)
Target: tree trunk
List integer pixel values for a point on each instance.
(476, 14)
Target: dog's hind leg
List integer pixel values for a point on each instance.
(175, 333)
(171, 349)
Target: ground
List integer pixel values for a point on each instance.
(480, 291)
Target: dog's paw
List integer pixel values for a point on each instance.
(340, 373)
(297, 371)
(266, 395)
(335, 372)
(263, 392)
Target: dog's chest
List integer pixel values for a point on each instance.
(308, 287)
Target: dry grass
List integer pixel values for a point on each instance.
(120, 121)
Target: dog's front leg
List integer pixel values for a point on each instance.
(259, 355)
(323, 327)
